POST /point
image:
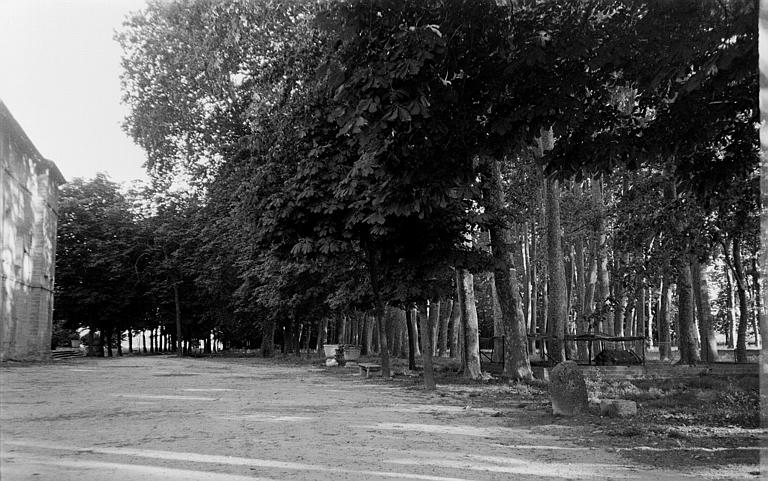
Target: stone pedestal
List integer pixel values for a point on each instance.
(617, 408)
(567, 389)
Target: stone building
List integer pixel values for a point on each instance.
(28, 214)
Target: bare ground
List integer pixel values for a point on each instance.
(231, 419)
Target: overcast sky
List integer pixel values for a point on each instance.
(59, 77)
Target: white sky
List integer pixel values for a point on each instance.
(59, 77)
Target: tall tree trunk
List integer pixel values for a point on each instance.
(130, 341)
(427, 323)
(741, 290)
(268, 338)
(402, 327)
(322, 335)
(620, 295)
(686, 335)
(582, 324)
(526, 277)
(731, 310)
(177, 306)
(455, 327)
(533, 317)
(415, 331)
(664, 322)
(757, 291)
(445, 318)
(434, 327)
(412, 338)
(144, 341)
(556, 287)
(106, 338)
(706, 330)
(498, 319)
(516, 364)
(640, 310)
(373, 267)
(469, 316)
(603, 281)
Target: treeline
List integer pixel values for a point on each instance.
(383, 169)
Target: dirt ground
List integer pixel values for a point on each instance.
(236, 419)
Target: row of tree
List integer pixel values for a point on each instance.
(565, 167)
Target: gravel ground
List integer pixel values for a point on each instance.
(197, 419)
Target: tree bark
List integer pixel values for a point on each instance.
(603, 281)
(177, 306)
(526, 277)
(706, 329)
(268, 338)
(445, 318)
(731, 310)
(686, 335)
(412, 338)
(664, 322)
(469, 316)
(517, 363)
(434, 326)
(455, 327)
(640, 311)
(556, 287)
(741, 290)
(427, 326)
(380, 318)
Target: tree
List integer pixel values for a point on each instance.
(96, 285)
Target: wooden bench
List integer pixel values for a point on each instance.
(368, 368)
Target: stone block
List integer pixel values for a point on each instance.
(567, 389)
(617, 408)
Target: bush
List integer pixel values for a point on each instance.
(61, 336)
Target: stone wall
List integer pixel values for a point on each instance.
(29, 213)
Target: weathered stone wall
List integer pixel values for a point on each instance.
(28, 217)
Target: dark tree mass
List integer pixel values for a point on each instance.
(412, 177)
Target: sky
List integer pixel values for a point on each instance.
(60, 78)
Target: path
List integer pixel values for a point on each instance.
(129, 418)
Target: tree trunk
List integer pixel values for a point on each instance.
(556, 287)
(469, 316)
(144, 341)
(445, 317)
(412, 338)
(402, 329)
(370, 324)
(177, 306)
(322, 335)
(455, 327)
(534, 307)
(686, 335)
(526, 278)
(373, 267)
(701, 295)
(603, 281)
(517, 363)
(741, 290)
(620, 295)
(759, 306)
(107, 338)
(268, 338)
(731, 310)
(130, 341)
(640, 311)
(664, 322)
(427, 326)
